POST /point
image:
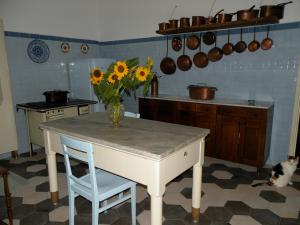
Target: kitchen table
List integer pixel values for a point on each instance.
(148, 152)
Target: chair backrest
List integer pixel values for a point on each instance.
(82, 151)
(131, 114)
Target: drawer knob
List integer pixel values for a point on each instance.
(185, 153)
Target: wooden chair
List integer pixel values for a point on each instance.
(4, 175)
(98, 185)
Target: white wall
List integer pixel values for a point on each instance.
(128, 19)
(67, 18)
(107, 20)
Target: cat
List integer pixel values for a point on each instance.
(282, 173)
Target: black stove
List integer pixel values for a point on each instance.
(43, 106)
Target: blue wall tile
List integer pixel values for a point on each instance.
(29, 79)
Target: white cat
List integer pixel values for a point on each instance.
(282, 173)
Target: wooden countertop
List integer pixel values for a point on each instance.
(217, 101)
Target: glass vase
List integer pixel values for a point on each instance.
(116, 113)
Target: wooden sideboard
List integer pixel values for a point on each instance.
(237, 133)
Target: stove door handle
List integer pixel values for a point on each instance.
(54, 117)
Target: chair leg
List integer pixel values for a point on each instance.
(133, 204)
(105, 204)
(95, 212)
(71, 207)
(8, 200)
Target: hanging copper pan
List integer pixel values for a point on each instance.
(200, 59)
(184, 62)
(209, 38)
(253, 45)
(267, 43)
(192, 42)
(167, 64)
(228, 48)
(215, 54)
(176, 43)
(241, 45)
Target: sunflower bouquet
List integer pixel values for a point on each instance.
(121, 77)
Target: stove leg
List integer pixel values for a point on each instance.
(31, 150)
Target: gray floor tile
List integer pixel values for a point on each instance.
(238, 207)
(173, 212)
(218, 214)
(272, 196)
(265, 216)
(37, 218)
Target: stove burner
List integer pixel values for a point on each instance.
(44, 105)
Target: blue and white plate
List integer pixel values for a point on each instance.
(38, 51)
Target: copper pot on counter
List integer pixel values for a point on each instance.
(201, 92)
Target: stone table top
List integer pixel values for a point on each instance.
(151, 139)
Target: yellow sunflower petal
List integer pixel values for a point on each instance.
(112, 78)
(120, 69)
(149, 62)
(96, 72)
(142, 73)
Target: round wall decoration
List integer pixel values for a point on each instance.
(38, 51)
(84, 48)
(65, 47)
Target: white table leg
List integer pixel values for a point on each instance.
(156, 191)
(156, 210)
(197, 181)
(52, 169)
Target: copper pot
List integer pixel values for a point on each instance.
(163, 26)
(247, 14)
(213, 19)
(225, 17)
(198, 20)
(184, 22)
(273, 10)
(173, 23)
(201, 92)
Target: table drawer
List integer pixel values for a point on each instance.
(180, 161)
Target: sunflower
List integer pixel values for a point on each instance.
(112, 78)
(96, 75)
(149, 62)
(142, 73)
(120, 69)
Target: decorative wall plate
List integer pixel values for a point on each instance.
(65, 47)
(38, 51)
(84, 48)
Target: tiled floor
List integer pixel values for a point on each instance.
(227, 197)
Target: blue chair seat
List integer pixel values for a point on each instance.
(108, 184)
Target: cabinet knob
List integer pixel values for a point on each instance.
(185, 153)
